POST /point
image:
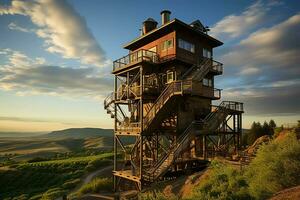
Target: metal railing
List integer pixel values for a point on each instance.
(174, 151)
(217, 93)
(130, 127)
(217, 66)
(135, 57)
(175, 87)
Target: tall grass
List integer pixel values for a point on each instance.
(96, 185)
(275, 167)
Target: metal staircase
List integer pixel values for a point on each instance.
(109, 105)
(184, 86)
(211, 123)
(174, 152)
(197, 72)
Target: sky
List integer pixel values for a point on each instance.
(56, 57)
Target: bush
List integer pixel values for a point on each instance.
(223, 182)
(275, 167)
(155, 196)
(96, 185)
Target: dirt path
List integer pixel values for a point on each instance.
(104, 171)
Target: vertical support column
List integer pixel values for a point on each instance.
(115, 129)
(142, 126)
(204, 146)
(127, 82)
(240, 130)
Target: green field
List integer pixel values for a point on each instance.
(38, 180)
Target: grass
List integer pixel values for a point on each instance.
(48, 178)
(275, 167)
(96, 185)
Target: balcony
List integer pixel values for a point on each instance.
(135, 58)
(217, 67)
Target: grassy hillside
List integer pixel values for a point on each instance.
(57, 142)
(55, 177)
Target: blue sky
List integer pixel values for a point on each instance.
(55, 57)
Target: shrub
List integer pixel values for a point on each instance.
(275, 167)
(223, 182)
(96, 185)
(155, 195)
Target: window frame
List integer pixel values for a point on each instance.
(186, 45)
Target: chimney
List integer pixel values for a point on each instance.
(165, 16)
(149, 25)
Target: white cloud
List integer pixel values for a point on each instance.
(277, 46)
(233, 26)
(63, 29)
(34, 76)
(14, 26)
(263, 71)
(249, 71)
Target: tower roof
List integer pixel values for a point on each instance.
(170, 26)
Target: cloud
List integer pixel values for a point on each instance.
(249, 71)
(233, 26)
(263, 69)
(27, 76)
(14, 26)
(63, 29)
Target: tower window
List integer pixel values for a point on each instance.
(186, 45)
(170, 77)
(167, 44)
(207, 82)
(206, 53)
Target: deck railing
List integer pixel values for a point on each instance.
(130, 127)
(135, 57)
(217, 66)
(217, 93)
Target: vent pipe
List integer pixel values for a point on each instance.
(149, 25)
(165, 16)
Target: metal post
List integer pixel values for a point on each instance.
(142, 127)
(115, 129)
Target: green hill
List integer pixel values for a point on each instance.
(81, 133)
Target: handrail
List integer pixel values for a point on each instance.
(176, 86)
(137, 56)
(217, 66)
(175, 148)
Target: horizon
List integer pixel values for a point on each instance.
(50, 82)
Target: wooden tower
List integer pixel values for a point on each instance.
(162, 100)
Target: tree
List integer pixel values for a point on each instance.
(266, 129)
(272, 126)
(254, 132)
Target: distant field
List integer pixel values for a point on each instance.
(32, 180)
(28, 148)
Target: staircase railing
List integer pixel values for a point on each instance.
(214, 118)
(178, 87)
(174, 151)
(211, 122)
(169, 91)
(110, 108)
